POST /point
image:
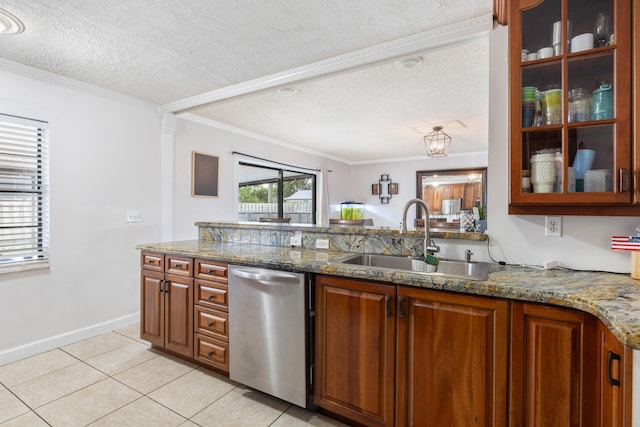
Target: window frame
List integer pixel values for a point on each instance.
(24, 171)
(281, 167)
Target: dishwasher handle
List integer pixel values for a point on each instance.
(267, 277)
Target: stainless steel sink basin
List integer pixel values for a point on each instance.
(447, 268)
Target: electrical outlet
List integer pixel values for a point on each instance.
(322, 243)
(553, 226)
(134, 216)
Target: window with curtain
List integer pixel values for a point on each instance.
(276, 194)
(24, 194)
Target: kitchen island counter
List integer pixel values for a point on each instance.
(613, 298)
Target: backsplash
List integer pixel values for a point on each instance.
(373, 240)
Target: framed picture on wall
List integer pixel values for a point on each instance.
(204, 175)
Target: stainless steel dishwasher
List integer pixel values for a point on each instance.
(269, 325)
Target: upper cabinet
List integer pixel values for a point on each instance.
(571, 130)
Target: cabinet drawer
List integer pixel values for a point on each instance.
(213, 323)
(212, 294)
(151, 261)
(179, 265)
(211, 270)
(212, 352)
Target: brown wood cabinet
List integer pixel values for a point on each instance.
(211, 320)
(184, 307)
(463, 360)
(450, 356)
(452, 359)
(167, 303)
(355, 349)
(553, 367)
(614, 374)
(585, 103)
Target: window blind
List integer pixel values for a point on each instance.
(24, 194)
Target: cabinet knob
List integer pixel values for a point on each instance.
(176, 266)
(211, 297)
(210, 354)
(209, 271)
(211, 324)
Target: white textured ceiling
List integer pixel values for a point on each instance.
(163, 52)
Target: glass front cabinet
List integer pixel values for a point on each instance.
(571, 133)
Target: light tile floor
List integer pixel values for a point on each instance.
(116, 379)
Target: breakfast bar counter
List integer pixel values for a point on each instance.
(613, 298)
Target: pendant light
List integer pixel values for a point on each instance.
(437, 143)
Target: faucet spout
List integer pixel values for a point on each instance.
(429, 246)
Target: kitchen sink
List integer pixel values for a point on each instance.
(446, 268)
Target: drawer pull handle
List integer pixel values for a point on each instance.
(610, 358)
(211, 298)
(209, 271)
(210, 354)
(176, 266)
(211, 324)
(150, 261)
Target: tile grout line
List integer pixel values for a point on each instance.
(190, 418)
(34, 410)
(280, 416)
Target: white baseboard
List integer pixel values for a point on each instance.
(37, 347)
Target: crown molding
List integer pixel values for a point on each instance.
(436, 39)
(269, 140)
(419, 158)
(58, 80)
(243, 132)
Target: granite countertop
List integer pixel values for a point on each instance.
(613, 298)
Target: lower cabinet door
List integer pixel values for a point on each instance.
(615, 380)
(152, 307)
(553, 379)
(452, 359)
(355, 346)
(179, 315)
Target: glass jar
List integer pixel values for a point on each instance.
(602, 104)
(579, 106)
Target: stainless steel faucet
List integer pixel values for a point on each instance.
(429, 246)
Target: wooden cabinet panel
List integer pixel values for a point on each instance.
(452, 360)
(210, 322)
(152, 307)
(179, 315)
(152, 261)
(212, 352)
(614, 372)
(552, 374)
(610, 135)
(355, 327)
(209, 270)
(212, 294)
(166, 313)
(180, 266)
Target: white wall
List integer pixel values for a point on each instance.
(403, 173)
(191, 136)
(104, 161)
